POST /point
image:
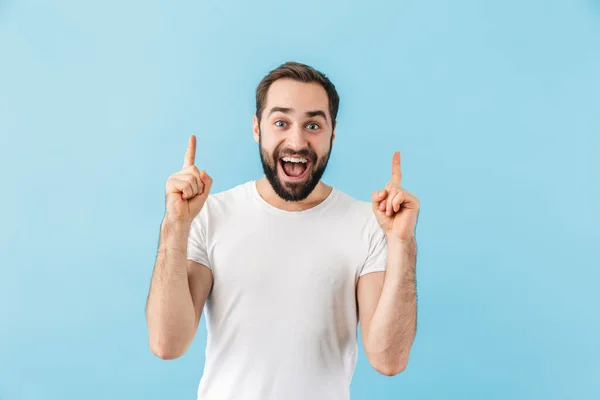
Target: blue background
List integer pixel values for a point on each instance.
(495, 107)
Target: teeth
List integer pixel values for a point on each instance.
(295, 160)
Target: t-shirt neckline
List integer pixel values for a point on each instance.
(264, 204)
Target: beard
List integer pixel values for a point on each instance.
(293, 191)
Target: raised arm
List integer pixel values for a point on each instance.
(179, 287)
(387, 300)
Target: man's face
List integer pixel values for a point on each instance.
(295, 137)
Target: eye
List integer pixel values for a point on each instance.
(277, 123)
(313, 124)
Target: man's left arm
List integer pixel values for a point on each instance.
(388, 309)
(387, 301)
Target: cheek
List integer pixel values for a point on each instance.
(269, 151)
(321, 147)
(266, 143)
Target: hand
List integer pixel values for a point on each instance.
(188, 189)
(396, 209)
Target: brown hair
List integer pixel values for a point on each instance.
(302, 73)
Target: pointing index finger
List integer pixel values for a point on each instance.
(396, 171)
(190, 153)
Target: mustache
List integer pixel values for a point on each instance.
(304, 153)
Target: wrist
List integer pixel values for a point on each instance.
(174, 234)
(397, 242)
(175, 224)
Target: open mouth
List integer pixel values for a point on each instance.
(294, 168)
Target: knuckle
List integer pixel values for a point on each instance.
(190, 179)
(182, 178)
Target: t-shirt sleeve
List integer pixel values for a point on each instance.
(377, 248)
(197, 246)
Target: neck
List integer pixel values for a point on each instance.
(318, 195)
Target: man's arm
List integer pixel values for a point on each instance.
(387, 304)
(178, 291)
(179, 287)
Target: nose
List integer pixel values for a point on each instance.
(297, 138)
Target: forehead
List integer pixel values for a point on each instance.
(301, 96)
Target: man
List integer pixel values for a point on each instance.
(287, 265)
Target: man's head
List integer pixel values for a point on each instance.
(296, 110)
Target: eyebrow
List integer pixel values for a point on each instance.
(309, 114)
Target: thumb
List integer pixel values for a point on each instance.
(197, 202)
(208, 181)
(376, 199)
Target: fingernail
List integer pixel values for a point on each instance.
(381, 193)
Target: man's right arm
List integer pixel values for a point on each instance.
(179, 287)
(178, 292)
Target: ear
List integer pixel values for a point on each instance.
(333, 132)
(255, 128)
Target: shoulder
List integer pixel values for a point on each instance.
(238, 193)
(359, 222)
(221, 203)
(352, 203)
(360, 212)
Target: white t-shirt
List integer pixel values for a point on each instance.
(282, 316)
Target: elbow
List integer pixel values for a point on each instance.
(390, 369)
(390, 366)
(165, 349)
(164, 353)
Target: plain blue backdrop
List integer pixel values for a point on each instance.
(495, 107)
